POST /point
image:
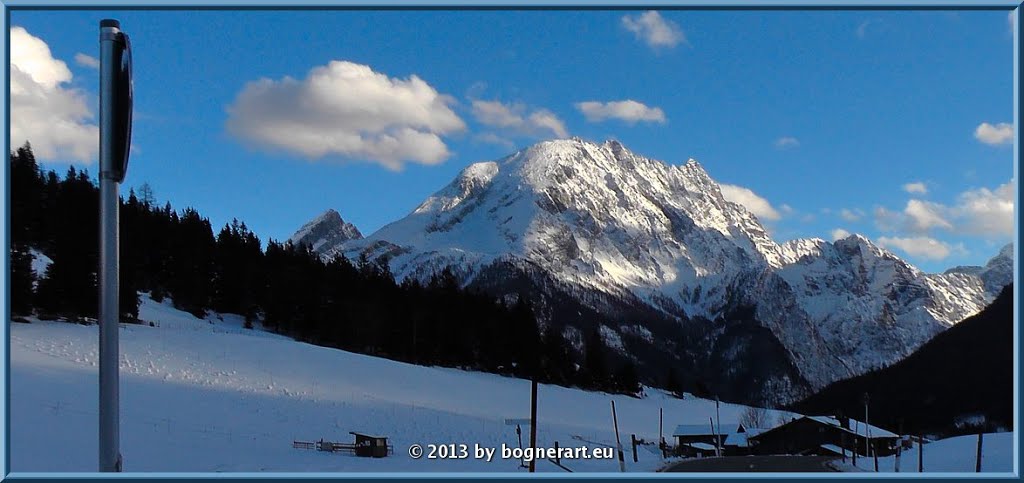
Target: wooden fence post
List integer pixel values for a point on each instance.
(977, 465)
(633, 438)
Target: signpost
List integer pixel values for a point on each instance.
(115, 140)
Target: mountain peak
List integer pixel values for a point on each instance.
(325, 231)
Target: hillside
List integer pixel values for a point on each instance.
(206, 395)
(959, 381)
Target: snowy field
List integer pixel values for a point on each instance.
(957, 454)
(211, 396)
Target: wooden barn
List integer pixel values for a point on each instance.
(823, 435)
(696, 440)
(737, 443)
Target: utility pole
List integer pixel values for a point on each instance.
(618, 443)
(115, 139)
(533, 424)
(718, 422)
(867, 427)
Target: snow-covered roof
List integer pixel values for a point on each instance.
(735, 439)
(703, 446)
(856, 427)
(693, 430)
(833, 448)
(750, 432)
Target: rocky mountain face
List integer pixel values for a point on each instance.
(671, 272)
(326, 232)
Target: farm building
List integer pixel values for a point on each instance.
(737, 443)
(824, 435)
(696, 440)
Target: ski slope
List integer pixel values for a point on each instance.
(211, 396)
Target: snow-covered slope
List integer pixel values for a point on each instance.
(326, 231)
(996, 274)
(606, 222)
(207, 395)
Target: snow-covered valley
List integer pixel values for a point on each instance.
(212, 396)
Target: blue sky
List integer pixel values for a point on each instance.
(891, 124)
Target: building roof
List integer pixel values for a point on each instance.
(833, 448)
(735, 439)
(751, 432)
(702, 446)
(693, 430)
(875, 432)
(856, 427)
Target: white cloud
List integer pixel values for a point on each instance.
(757, 205)
(851, 215)
(787, 142)
(924, 216)
(513, 117)
(654, 30)
(45, 111)
(981, 212)
(628, 110)
(87, 61)
(492, 138)
(839, 234)
(1001, 133)
(986, 212)
(916, 187)
(545, 119)
(347, 109)
(921, 246)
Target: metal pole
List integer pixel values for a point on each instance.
(109, 411)
(920, 454)
(867, 433)
(533, 425)
(718, 422)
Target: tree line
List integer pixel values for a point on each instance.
(355, 305)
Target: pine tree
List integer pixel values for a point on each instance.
(594, 363)
(21, 281)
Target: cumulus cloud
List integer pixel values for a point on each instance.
(916, 187)
(920, 246)
(348, 110)
(924, 216)
(651, 28)
(87, 61)
(987, 212)
(839, 234)
(628, 110)
(45, 110)
(994, 135)
(851, 215)
(757, 205)
(515, 118)
(981, 212)
(786, 142)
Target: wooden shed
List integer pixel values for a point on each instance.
(370, 446)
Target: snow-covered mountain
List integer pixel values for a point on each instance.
(996, 274)
(670, 271)
(326, 232)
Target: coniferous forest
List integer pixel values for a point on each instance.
(355, 305)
